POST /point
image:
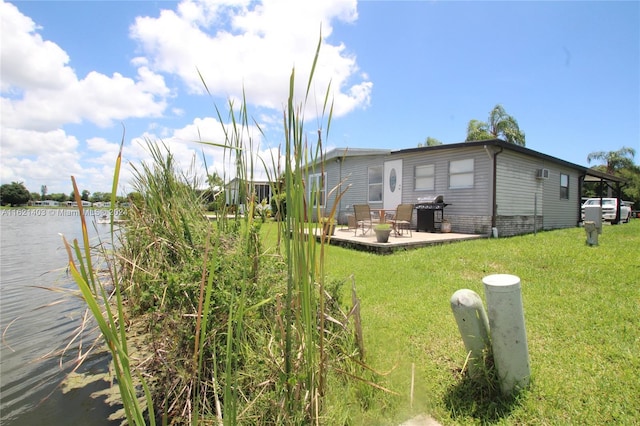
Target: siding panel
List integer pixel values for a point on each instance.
(463, 200)
(354, 172)
(560, 213)
(517, 186)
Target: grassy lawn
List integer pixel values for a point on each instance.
(582, 313)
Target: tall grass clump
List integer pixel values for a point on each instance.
(226, 330)
(300, 345)
(165, 232)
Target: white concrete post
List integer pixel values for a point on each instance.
(508, 334)
(592, 232)
(472, 322)
(594, 214)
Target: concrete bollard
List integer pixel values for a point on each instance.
(473, 324)
(508, 334)
(592, 232)
(594, 214)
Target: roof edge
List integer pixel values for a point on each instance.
(517, 148)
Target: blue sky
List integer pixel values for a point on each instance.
(73, 73)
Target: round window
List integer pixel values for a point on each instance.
(392, 180)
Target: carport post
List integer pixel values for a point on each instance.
(508, 334)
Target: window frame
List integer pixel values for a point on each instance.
(564, 189)
(371, 184)
(465, 174)
(430, 175)
(315, 181)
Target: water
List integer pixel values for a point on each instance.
(37, 324)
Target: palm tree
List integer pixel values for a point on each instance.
(614, 160)
(500, 126)
(429, 142)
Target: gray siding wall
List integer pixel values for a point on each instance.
(520, 195)
(517, 186)
(561, 213)
(470, 208)
(354, 172)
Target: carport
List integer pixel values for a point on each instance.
(607, 186)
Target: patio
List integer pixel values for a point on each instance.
(345, 237)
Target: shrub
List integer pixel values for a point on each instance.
(279, 206)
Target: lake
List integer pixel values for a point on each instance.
(39, 316)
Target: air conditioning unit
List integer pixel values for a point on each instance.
(542, 174)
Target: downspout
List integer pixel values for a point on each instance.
(339, 160)
(494, 209)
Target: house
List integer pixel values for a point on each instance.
(234, 193)
(48, 203)
(74, 204)
(488, 186)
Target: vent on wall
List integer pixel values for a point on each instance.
(542, 174)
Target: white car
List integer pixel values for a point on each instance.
(609, 207)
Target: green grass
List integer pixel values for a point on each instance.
(247, 330)
(582, 307)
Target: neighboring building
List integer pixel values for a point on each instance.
(486, 184)
(74, 204)
(49, 203)
(261, 189)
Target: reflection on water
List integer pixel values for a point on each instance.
(37, 324)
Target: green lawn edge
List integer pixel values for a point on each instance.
(581, 306)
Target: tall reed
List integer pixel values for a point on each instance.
(111, 323)
(300, 311)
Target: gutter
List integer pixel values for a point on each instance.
(494, 211)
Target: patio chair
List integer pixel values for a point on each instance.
(402, 220)
(363, 219)
(351, 222)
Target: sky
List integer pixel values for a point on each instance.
(80, 77)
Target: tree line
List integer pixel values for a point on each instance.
(17, 194)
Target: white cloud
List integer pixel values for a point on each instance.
(254, 47)
(52, 168)
(51, 158)
(26, 60)
(236, 45)
(23, 142)
(97, 98)
(41, 92)
(188, 152)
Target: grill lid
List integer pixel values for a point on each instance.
(434, 199)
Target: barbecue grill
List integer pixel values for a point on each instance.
(430, 211)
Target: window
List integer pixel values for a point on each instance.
(262, 191)
(564, 187)
(375, 184)
(316, 190)
(461, 174)
(425, 178)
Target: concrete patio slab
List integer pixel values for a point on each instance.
(345, 237)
